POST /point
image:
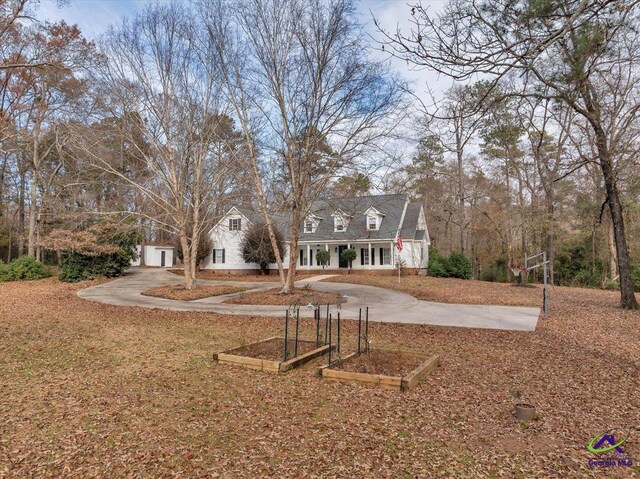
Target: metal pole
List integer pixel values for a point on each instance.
(544, 289)
(366, 329)
(297, 328)
(286, 334)
(338, 334)
(326, 326)
(329, 324)
(317, 315)
(359, 328)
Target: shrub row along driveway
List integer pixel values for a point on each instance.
(385, 305)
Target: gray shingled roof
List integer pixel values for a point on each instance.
(410, 221)
(391, 206)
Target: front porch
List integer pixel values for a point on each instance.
(375, 255)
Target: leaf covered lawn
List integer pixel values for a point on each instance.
(92, 390)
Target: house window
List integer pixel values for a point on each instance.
(372, 223)
(308, 226)
(303, 258)
(385, 255)
(235, 224)
(364, 256)
(218, 256)
(339, 224)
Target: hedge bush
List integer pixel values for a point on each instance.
(77, 266)
(458, 266)
(349, 255)
(437, 264)
(23, 268)
(455, 266)
(323, 257)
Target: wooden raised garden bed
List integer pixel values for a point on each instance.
(268, 355)
(382, 369)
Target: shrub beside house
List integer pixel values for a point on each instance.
(23, 268)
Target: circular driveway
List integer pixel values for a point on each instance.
(384, 305)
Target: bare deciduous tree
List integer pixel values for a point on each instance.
(308, 96)
(578, 52)
(156, 85)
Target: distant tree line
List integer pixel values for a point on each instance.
(542, 153)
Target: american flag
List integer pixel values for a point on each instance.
(399, 242)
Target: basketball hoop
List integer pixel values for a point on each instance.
(516, 271)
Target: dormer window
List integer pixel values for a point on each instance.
(308, 226)
(340, 221)
(311, 223)
(374, 219)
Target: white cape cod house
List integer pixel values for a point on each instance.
(369, 224)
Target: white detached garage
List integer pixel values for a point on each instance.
(154, 255)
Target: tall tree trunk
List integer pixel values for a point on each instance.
(611, 240)
(627, 296)
(33, 192)
(551, 230)
(21, 208)
(524, 277)
(293, 250)
(509, 235)
(38, 241)
(3, 170)
(257, 178)
(475, 264)
(461, 215)
(33, 212)
(187, 264)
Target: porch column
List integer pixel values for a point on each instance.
(369, 246)
(392, 256)
(326, 248)
(308, 256)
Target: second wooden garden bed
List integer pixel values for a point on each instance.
(396, 370)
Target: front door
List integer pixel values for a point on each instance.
(163, 258)
(342, 263)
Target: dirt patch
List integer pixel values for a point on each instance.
(222, 276)
(388, 363)
(180, 293)
(273, 349)
(299, 296)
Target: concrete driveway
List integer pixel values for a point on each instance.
(384, 305)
